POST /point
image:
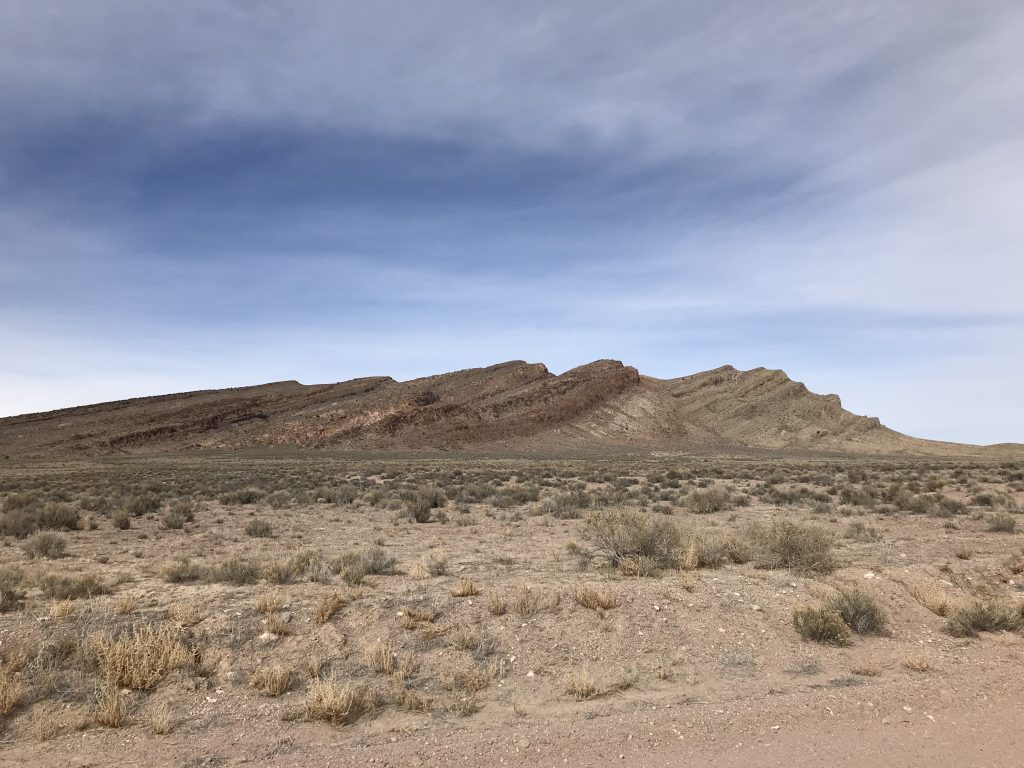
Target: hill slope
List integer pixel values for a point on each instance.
(514, 405)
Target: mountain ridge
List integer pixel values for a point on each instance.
(513, 406)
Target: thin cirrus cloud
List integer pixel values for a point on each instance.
(217, 193)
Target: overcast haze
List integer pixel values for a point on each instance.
(206, 194)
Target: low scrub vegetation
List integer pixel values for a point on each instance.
(993, 615)
(860, 610)
(821, 624)
(139, 659)
(593, 598)
(800, 547)
(339, 703)
(624, 536)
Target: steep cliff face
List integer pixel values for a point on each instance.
(510, 406)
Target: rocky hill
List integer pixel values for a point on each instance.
(511, 406)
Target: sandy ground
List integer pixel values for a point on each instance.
(700, 667)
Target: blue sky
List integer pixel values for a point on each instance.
(202, 194)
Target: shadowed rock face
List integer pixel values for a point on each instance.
(510, 406)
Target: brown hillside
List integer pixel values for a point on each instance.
(513, 406)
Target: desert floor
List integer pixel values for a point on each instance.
(302, 616)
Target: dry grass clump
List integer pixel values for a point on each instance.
(44, 725)
(639, 565)
(278, 624)
(62, 609)
(175, 516)
(44, 544)
(932, 597)
(185, 614)
(274, 680)
(580, 685)
(121, 519)
(1000, 522)
(626, 535)
(338, 703)
(527, 602)
(419, 571)
(269, 603)
(72, 587)
(594, 598)
(126, 605)
(144, 503)
(985, 616)
(354, 566)
(712, 500)
(866, 669)
(240, 497)
(562, 505)
(437, 564)
(465, 588)
(377, 561)
(141, 658)
(860, 611)
(386, 659)
(497, 605)
(11, 593)
(413, 617)
(352, 572)
(822, 625)
(110, 708)
(12, 689)
(411, 700)
(236, 570)
(182, 571)
(472, 680)
(918, 664)
(707, 549)
(963, 552)
(860, 531)
(259, 529)
(328, 606)
(463, 706)
(163, 720)
(419, 505)
(799, 547)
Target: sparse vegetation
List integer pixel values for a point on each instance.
(45, 544)
(1002, 522)
(351, 610)
(800, 547)
(139, 659)
(860, 611)
(259, 529)
(338, 703)
(623, 536)
(822, 625)
(72, 587)
(273, 681)
(465, 588)
(593, 598)
(580, 685)
(976, 616)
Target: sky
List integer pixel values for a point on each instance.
(207, 193)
